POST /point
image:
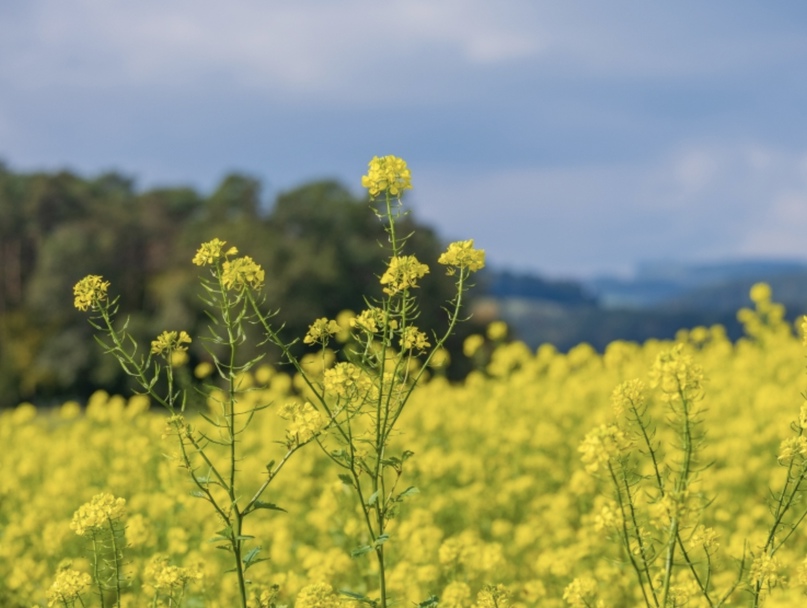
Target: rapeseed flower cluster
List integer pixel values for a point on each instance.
(462, 255)
(241, 273)
(100, 512)
(68, 587)
(169, 342)
(212, 252)
(402, 274)
(387, 174)
(321, 331)
(90, 292)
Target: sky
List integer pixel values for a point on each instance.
(567, 138)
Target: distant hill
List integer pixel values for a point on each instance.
(656, 303)
(661, 283)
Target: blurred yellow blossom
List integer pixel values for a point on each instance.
(497, 331)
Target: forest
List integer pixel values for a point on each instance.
(319, 244)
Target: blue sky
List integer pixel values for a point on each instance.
(566, 138)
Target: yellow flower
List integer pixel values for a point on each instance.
(601, 444)
(305, 421)
(791, 447)
(403, 273)
(456, 595)
(211, 252)
(368, 320)
(629, 395)
(472, 344)
(98, 513)
(169, 342)
(765, 571)
(318, 595)
(704, 537)
(320, 331)
(387, 174)
(497, 330)
(67, 587)
(492, 596)
(347, 380)
(414, 339)
(677, 375)
(90, 291)
(580, 592)
(760, 292)
(242, 272)
(462, 255)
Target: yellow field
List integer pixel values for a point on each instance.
(504, 498)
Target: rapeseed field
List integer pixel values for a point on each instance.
(669, 473)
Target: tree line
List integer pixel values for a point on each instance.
(319, 245)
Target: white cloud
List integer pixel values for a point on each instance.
(349, 49)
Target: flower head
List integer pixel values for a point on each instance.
(305, 421)
(414, 339)
(462, 255)
(347, 380)
(601, 444)
(321, 331)
(581, 592)
(403, 273)
(630, 395)
(765, 571)
(387, 174)
(677, 375)
(90, 291)
(169, 342)
(67, 586)
(242, 272)
(98, 513)
(211, 252)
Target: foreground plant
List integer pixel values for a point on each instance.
(657, 511)
(364, 394)
(102, 521)
(209, 454)
(350, 405)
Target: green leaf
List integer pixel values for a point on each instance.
(359, 597)
(346, 479)
(429, 602)
(259, 504)
(410, 491)
(382, 538)
(251, 558)
(373, 499)
(223, 534)
(359, 551)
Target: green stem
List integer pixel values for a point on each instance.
(96, 570)
(116, 557)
